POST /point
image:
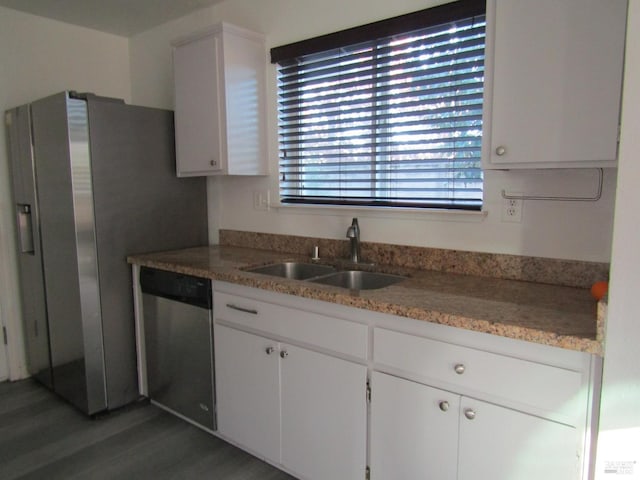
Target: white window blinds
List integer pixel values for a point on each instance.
(392, 121)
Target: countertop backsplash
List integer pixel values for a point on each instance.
(569, 273)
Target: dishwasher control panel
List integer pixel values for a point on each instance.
(176, 286)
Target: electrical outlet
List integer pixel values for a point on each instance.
(261, 200)
(512, 210)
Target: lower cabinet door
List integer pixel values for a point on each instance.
(324, 420)
(414, 431)
(502, 444)
(247, 388)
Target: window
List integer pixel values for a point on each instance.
(388, 114)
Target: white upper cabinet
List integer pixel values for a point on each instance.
(219, 82)
(553, 76)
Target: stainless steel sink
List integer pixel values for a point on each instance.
(293, 270)
(359, 280)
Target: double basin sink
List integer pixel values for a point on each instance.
(328, 275)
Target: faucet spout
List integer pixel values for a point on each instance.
(353, 234)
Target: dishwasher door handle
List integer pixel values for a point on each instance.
(241, 309)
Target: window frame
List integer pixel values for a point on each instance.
(431, 17)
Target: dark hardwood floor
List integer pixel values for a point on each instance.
(43, 437)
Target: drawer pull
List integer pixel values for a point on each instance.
(444, 405)
(459, 368)
(284, 354)
(469, 413)
(240, 309)
(269, 350)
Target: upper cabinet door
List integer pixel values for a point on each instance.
(553, 78)
(219, 94)
(197, 106)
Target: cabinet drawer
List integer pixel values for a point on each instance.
(330, 333)
(477, 372)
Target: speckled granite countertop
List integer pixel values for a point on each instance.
(553, 315)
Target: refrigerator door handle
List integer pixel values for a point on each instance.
(25, 228)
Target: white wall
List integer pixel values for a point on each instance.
(619, 439)
(569, 230)
(40, 57)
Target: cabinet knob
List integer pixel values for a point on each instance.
(500, 151)
(213, 163)
(284, 354)
(469, 413)
(444, 405)
(269, 350)
(459, 368)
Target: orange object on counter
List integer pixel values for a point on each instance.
(599, 289)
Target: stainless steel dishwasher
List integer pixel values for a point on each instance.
(178, 332)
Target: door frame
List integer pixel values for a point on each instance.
(10, 312)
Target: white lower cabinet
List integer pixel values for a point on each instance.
(414, 430)
(248, 390)
(324, 415)
(445, 403)
(422, 432)
(293, 406)
(461, 413)
(504, 444)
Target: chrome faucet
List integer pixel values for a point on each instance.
(353, 234)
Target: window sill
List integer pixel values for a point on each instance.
(427, 214)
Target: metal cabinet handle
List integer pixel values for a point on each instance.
(241, 309)
(269, 350)
(284, 354)
(469, 413)
(444, 405)
(459, 368)
(501, 150)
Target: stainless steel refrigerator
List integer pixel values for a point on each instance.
(93, 181)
